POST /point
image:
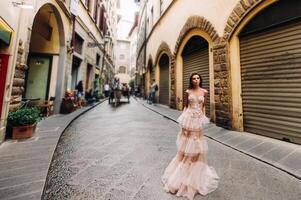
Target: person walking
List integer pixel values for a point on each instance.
(80, 93)
(152, 93)
(188, 173)
(106, 89)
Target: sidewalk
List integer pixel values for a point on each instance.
(282, 155)
(24, 164)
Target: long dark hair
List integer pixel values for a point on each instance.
(190, 80)
(80, 86)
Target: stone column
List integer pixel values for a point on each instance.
(222, 87)
(19, 79)
(172, 83)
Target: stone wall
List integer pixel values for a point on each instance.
(19, 79)
(239, 12)
(222, 89)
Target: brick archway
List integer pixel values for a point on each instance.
(192, 23)
(199, 23)
(242, 8)
(163, 48)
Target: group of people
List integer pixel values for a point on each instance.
(115, 85)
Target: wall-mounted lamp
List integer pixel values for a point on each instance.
(22, 5)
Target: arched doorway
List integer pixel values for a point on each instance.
(164, 80)
(45, 74)
(270, 55)
(196, 59)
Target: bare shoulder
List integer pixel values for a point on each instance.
(187, 91)
(204, 90)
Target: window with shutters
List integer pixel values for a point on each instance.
(78, 45)
(161, 7)
(101, 19)
(96, 8)
(87, 3)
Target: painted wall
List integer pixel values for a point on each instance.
(123, 49)
(168, 29)
(21, 21)
(40, 44)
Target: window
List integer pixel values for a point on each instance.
(122, 70)
(161, 7)
(97, 59)
(78, 45)
(87, 2)
(121, 56)
(152, 16)
(101, 18)
(96, 8)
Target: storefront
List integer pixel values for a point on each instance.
(164, 80)
(270, 56)
(196, 59)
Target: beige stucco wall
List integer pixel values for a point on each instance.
(168, 30)
(216, 12)
(169, 27)
(21, 21)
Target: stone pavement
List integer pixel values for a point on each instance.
(282, 155)
(24, 164)
(121, 153)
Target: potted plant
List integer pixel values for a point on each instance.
(23, 122)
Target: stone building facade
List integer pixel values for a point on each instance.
(219, 40)
(44, 42)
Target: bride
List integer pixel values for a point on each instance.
(188, 172)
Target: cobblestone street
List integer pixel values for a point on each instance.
(121, 153)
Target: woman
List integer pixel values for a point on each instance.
(80, 92)
(188, 172)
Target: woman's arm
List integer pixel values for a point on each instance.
(185, 100)
(205, 100)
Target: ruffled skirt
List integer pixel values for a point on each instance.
(188, 172)
(192, 120)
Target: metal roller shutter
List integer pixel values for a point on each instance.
(271, 82)
(198, 61)
(164, 84)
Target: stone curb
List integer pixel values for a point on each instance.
(67, 126)
(27, 181)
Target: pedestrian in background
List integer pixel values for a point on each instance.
(106, 89)
(188, 173)
(152, 93)
(80, 93)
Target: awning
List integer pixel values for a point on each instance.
(5, 33)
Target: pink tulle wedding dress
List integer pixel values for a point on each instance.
(188, 172)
